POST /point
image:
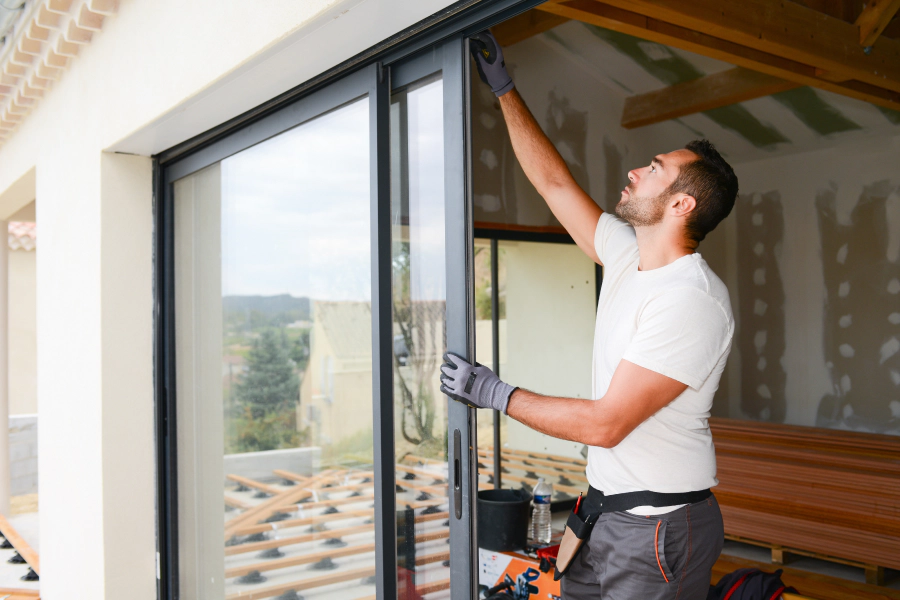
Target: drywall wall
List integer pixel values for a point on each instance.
(830, 239)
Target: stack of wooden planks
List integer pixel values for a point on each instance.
(810, 491)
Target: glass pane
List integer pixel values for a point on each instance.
(547, 309)
(274, 367)
(484, 349)
(419, 316)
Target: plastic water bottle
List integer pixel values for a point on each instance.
(540, 516)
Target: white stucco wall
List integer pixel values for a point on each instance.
(157, 74)
(23, 461)
(22, 332)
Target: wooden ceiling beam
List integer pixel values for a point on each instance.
(676, 36)
(525, 25)
(713, 91)
(874, 18)
(784, 29)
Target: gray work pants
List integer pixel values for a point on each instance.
(663, 557)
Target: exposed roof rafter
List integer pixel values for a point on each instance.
(874, 18)
(713, 91)
(767, 36)
(525, 25)
(785, 29)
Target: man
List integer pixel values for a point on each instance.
(663, 334)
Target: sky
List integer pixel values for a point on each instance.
(295, 211)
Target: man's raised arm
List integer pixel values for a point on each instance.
(542, 163)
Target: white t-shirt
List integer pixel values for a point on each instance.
(675, 320)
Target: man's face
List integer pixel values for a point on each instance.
(644, 199)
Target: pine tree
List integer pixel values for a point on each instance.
(270, 383)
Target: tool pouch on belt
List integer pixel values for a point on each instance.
(578, 529)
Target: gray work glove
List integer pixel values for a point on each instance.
(489, 59)
(475, 385)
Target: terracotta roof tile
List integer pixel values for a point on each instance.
(22, 235)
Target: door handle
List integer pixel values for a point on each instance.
(457, 474)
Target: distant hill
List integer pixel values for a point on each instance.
(268, 305)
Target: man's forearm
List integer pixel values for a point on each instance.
(572, 419)
(540, 160)
(550, 175)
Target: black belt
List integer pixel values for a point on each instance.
(585, 514)
(597, 502)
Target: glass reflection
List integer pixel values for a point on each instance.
(547, 306)
(419, 311)
(274, 365)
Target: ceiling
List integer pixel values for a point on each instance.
(796, 120)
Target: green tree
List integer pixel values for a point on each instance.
(270, 383)
(300, 350)
(271, 431)
(415, 368)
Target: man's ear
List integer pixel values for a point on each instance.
(683, 205)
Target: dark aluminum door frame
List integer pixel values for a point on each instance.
(368, 82)
(462, 440)
(451, 59)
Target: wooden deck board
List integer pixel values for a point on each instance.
(21, 546)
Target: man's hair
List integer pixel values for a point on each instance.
(712, 183)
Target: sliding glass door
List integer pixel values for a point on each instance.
(315, 266)
(275, 354)
(430, 261)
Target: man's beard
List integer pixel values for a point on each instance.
(642, 211)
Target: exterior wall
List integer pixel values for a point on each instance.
(23, 461)
(157, 74)
(22, 332)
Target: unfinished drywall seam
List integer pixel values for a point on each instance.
(861, 328)
(760, 224)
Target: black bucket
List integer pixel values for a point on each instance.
(503, 519)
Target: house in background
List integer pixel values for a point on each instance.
(335, 396)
